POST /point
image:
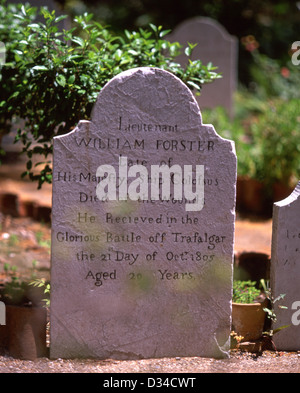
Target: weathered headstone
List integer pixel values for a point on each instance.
(216, 45)
(285, 270)
(142, 278)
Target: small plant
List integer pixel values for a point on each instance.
(238, 339)
(42, 283)
(9, 270)
(245, 292)
(41, 241)
(17, 291)
(13, 240)
(271, 314)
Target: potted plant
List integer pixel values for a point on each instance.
(248, 314)
(24, 334)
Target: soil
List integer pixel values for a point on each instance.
(239, 362)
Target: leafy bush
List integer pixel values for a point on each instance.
(266, 136)
(277, 133)
(232, 129)
(271, 79)
(55, 76)
(11, 33)
(244, 291)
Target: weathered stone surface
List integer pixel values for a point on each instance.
(215, 45)
(285, 270)
(141, 279)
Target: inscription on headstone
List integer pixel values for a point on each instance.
(215, 45)
(142, 278)
(285, 270)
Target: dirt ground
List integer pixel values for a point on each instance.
(25, 243)
(267, 362)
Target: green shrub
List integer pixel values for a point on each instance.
(11, 33)
(266, 136)
(55, 76)
(244, 291)
(277, 134)
(235, 130)
(270, 79)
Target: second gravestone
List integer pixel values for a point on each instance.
(285, 271)
(144, 273)
(216, 45)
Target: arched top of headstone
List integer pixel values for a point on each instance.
(215, 45)
(144, 93)
(142, 101)
(285, 269)
(295, 195)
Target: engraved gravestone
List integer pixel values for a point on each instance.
(216, 45)
(143, 275)
(285, 270)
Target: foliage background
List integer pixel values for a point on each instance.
(275, 24)
(266, 125)
(52, 76)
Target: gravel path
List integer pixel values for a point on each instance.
(268, 362)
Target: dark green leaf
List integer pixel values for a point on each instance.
(40, 68)
(61, 80)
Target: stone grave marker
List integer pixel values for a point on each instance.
(141, 277)
(285, 270)
(216, 45)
